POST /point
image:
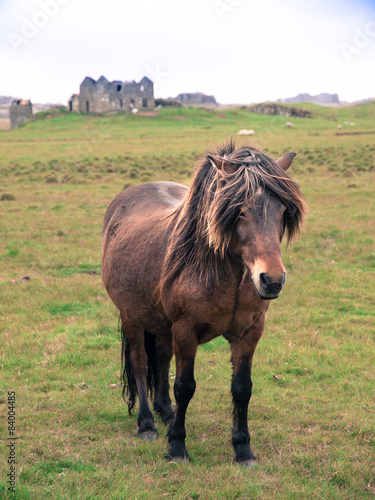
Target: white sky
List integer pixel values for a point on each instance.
(240, 51)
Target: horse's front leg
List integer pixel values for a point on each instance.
(242, 353)
(185, 348)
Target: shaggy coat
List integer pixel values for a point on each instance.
(184, 266)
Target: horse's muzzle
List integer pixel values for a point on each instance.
(268, 288)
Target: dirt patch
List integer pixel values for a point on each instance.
(179, 117)
(4, 124)
(151, 114)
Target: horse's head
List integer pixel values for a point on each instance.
(265, 202)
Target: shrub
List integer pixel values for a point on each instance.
(7, 197)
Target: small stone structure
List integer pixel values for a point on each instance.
(19, 111)
(102, 96)
(73, 103)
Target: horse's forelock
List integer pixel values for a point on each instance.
(251, 169)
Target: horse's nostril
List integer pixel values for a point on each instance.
(270, 285)
(264, 280)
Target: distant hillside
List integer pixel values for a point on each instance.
(4, 111)
(6, 100)
(44, 107)
(363, 101)
(325, 99)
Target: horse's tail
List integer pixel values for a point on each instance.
(127, 369)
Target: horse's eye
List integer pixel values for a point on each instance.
(242, 216)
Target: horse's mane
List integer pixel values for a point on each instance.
(204, 222)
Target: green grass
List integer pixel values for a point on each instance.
(312, 410)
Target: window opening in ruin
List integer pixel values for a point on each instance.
(142, 88)
(120, 102)
(70, 106)
(118, 88)
(144, 103)
(87, 107)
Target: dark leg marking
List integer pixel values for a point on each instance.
(184, 389)
(139, 366)
(162, 401)
(241, 392)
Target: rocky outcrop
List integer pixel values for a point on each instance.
(167, 103)
(271, 108)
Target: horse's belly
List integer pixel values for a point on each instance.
(138, 307)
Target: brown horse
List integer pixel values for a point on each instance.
(184, 266)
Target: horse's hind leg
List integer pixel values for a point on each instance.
(164, 353)
(139, 368)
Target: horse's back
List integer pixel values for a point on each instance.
(143, 200)
(134, 238)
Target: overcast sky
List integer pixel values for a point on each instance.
(241, 51)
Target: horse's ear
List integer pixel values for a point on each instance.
(222, 164)
(286, 160)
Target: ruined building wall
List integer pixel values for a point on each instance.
(19, 111)
(87, 99)
(104, 96)
(73, 103)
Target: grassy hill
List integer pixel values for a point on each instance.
(312, 425)
(76, 138)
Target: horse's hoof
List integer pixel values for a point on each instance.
(166, 415)
(148, 435)
(249, 463)
(169, 419)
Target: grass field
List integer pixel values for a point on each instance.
(312, 412)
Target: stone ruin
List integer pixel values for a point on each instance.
(20, 110)
(102, 96)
